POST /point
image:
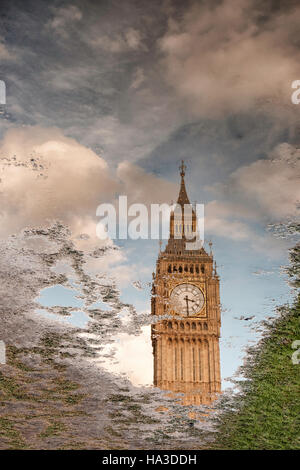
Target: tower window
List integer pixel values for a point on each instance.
(170, 325)
(182, 326)
(205, 326)
(180, 269)
(186, 268)
(199, 361)
(197, 269)
(193, 326)
(202, 269)
(191, 269)
(194, 366)
(169, 268)
(181, 363)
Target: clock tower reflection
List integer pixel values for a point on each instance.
(186, 291)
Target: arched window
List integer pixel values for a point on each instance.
(202, 269)
(197, 269)
(181, 326)
(186, 268)
(205, 326)
(170, 325)
(180, 269)
(181, 363)
(194, 365)
(199, 362)
(193, 326)
(191, 269)
(169, 268)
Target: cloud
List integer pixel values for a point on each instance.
(64, 18)
(133, 357)
(4, 53)
(144, 187)
(137, 135)
(267, 189)
(128, 40)
(232, 56)
(47, 176)
(138, 78)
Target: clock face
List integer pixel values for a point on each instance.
(187, 300)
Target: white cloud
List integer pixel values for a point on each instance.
(221, 58)
(266, 191)
(47, 176)
(133, 357)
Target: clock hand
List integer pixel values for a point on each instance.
(187, 304)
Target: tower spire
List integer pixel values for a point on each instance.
(182, 169)
(183, 197)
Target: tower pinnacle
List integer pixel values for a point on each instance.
(182, 198)
(182, 169)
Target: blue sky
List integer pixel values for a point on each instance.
(112, 95)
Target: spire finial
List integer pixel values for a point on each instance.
(182, 168)
(182, 198)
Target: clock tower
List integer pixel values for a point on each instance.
(185, 294)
